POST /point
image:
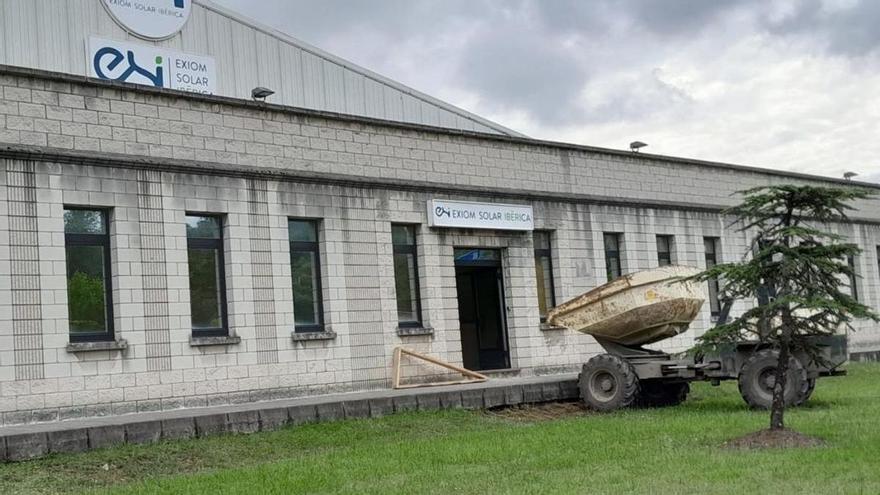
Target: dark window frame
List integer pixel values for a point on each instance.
(670, 246)
(853, 288)
(547, 253)
(716, 245)
(103, 241)
(310, 247)
(218, 245)
(413, 250)
(616, 254)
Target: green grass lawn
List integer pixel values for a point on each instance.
(673, 450)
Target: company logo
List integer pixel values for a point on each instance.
(463, 214)
(108, 59)
(151, 65)
(150, 19)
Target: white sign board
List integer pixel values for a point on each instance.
(150, 19)
(442, 213)
(151, 65)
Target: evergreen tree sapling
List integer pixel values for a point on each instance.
(800, 265)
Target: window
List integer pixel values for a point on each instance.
(711, 247)
(853, 288)
(544, 273)
(406, 275)
(305, 271)
(664, 250)
(87, 250)
(207, 277)
(612, 256)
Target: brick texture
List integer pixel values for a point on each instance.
(160, 370)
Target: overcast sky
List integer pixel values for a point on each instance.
(787, 84)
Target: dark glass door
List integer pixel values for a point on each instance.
(480, 289)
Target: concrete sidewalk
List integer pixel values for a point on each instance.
(30, 441)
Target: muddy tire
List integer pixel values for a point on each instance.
(803, 398)
(758, 374)
(662, 394)
(608, 383)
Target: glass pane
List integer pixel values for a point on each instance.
(662, 244)
(664, 248)
(203, 227)
(303, 270)
(709, 244)
(542, 240)
(612, 267)
(403, 235)
(465, 255)
(85, 289)
(612, 242)
(714, 305)
(84, 222)
(302, 231)
(204, 288)
(405, 287)
(543, 273)
(853, 291)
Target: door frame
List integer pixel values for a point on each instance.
(498, 265)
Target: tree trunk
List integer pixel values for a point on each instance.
(777, 410)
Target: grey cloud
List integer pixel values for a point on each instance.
(661, 17)
(677, 17)
(320, 21)
(641, 97)
(874, 177)
(850, 31)
(526, 70)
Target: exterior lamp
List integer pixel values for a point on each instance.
(261, 93)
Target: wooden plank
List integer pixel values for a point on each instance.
(438, 384)
(472, 376)
(395, 380)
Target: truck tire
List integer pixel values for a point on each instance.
(662, 394)
(608, 382)
(803, 398)
(758, 374)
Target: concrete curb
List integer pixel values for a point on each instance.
(22, 442)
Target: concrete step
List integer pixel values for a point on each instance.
(502, 373)
(30, 441)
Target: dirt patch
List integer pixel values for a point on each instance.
(530, 413)
(774, 439)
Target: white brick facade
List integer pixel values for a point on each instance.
(152, 156)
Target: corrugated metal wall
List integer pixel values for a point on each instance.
(52, 35)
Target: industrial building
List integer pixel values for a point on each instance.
(173, 235)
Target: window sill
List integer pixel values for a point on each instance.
(546, 327)
(307, 336)
(105, 345)
(413, 331)
(218, 340)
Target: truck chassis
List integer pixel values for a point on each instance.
(634, 376)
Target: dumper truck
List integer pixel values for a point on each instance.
(630, 313)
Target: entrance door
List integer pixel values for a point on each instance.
(480, 287)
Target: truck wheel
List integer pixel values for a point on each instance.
(758, 375)
(660, 394)
(803, 398)
(608, 382)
